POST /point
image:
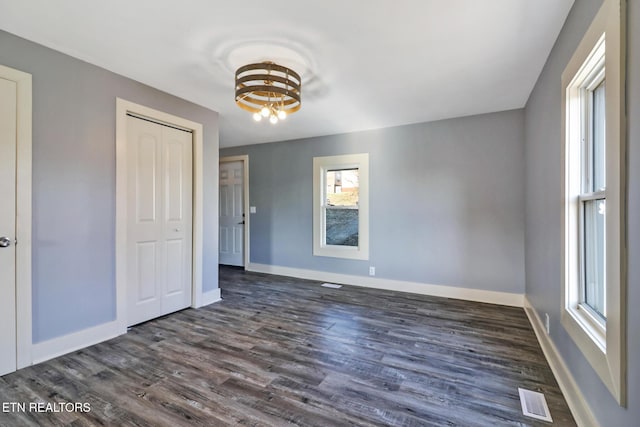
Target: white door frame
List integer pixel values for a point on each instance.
(245, 200)
(23, 214)
(122, 108)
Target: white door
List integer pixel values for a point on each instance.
(232, 220)
(8, 134)
(159, 208)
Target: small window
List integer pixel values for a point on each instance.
(341, 210)
(341, 206)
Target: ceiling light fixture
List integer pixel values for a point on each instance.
(268, 90)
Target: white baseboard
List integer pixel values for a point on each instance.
(47, 350)
(55, 347)
(210, 297)
(576, 401)
(492, 297)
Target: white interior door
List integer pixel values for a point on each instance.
(232, 215)
(8, 134)
(159, 208)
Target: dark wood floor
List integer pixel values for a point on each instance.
(279, 351)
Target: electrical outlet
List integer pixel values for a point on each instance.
(546, 322)
(372, 271)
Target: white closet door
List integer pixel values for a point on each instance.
(177, 219)
(159, 200)
(8, 134)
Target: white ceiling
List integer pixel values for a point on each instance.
(364, 64)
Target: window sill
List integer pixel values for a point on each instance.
(590, 326)
(335, 251)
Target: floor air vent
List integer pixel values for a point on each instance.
(331, 285)
(534, 405)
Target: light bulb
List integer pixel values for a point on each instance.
(257, 117)
(282, 115)
(265, 111)
(273, 119)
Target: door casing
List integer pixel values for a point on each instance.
(122, 108)
(23, 213)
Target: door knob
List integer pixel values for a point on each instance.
(241, 222)
(5, 242)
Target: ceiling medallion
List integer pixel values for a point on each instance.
(268, 90)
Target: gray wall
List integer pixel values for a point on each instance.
(446, 201)
(543, 218)
(74, 183)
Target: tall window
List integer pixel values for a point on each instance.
(593, 308)
(593, 200)
(341, 206)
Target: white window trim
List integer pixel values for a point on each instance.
(320, 166)
(604, 347)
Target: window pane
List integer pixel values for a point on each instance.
(342, 214)
(342, 187)
(594, 255)
(598, 131)
(342, 226)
